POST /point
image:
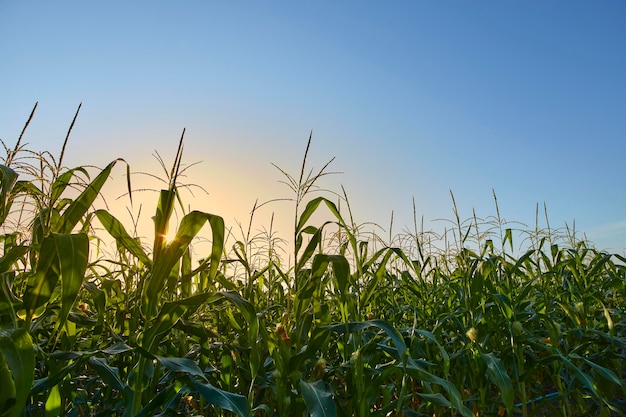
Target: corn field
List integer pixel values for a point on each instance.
(350, 326)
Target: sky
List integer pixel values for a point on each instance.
(413, 99)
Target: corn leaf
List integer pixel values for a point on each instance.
(12, 255)
(454, 396)
(600, 370)
(437, 399)
(310, 248)
(168, 316)
(17, 354)
(182, 365)
(341, 270)
(8, 395)
(79, 206)
(8, 179)
(121, 236)
(312, 206)
(109, 374)
(391, 331)
(73, 253)
(235, 403)
(497, 374)
(164, 210)
(62, 181)
(189, 227)
(318, 400)
(41, 284)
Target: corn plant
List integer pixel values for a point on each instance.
(460, 323)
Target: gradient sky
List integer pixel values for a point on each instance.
(413, 98)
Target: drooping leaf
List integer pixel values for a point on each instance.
(436, 398)
(318, 400)
(73, 253)
(17, 354)
(166, 400)
(585, 379)
(41, 284)
(341, 270)
(109, 374)
(310, 248)
(81, 204)
(62, 181)
(189, 227)
(497, 374)
(229, 401)
(182, 365)
(8, 179)
(454, 396)
(117, 231)
(169, 314)
(444, 355)
(312, 206)
(12, 255)
(600, 370)
(46, 383)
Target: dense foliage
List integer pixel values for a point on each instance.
(352, 328)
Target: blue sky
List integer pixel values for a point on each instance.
(413, 98)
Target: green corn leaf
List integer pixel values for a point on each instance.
(62, 181)
(312, 206)
(41, 284)
(250, 315)
(189, 227)
(169, 315)
(182, 365)
(308, 211)
(53, 402)
(391, 331)
(99, 300)
(310, 248)
(8, 179)
(497, 374)
(8, 300)
(372, 285)
(17, 354)
(8, 395)
(164, 210)
(244, 306)
(116, 349)
(73, 253)
(442, 351)
(437, 399)
(166, 400)
(109, 374)
(235, 403)
(186, 274)
(600, 370)
(505, 305)
(46, 383)
(508, 237)
(318, 400)
(341, 270)
(454, 396)
(598, 262)
(117, 231)
(11, 256)
(585, 379)
(79, 206)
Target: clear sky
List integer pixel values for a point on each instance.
(413, 98)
